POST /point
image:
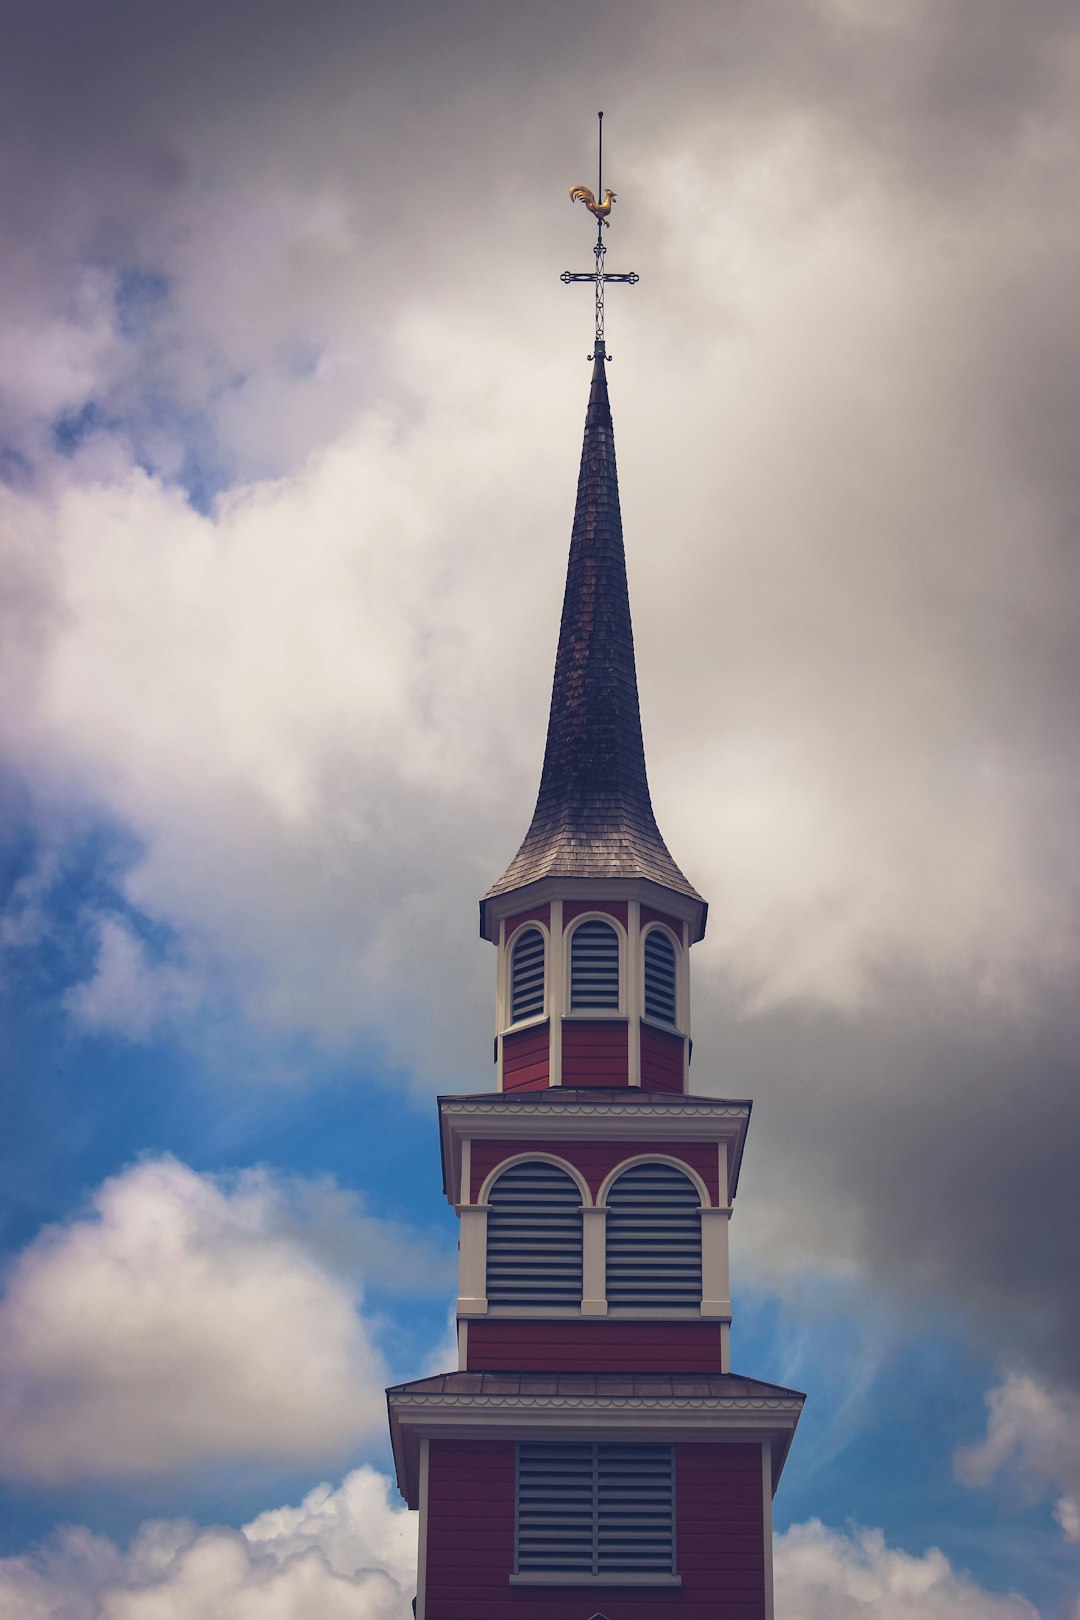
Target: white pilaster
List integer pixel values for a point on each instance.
(594, 1277)
(714, 1263)
(465, 1190)
(500, 1001)
(472, 1298)
(556, 976)
(633, 990)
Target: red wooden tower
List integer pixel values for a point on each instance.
(593, 1453)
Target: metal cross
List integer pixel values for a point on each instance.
(599, 276)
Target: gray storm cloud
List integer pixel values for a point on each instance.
(319, 247)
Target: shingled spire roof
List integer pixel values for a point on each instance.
(593, 816)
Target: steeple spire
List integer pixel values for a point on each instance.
(594, 815)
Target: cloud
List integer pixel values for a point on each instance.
(129, 993)
(191, 1318)
(823, 1574)
(845, 398)
(350, 1553)
(1032, 1443)
(346, 1554)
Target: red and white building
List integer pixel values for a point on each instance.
(593, 1454)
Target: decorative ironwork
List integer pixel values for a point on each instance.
(599, 275)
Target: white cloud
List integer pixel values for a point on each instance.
(128, 992)
(1032, 1442)
(349, 1554)
(344, 1554)
(193, 1318)
(822, 1574)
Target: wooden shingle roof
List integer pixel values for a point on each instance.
(594, 816)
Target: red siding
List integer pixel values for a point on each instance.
(595, 1159)
(595, 1052)
(537, 914)
(649, 915)
(606, 908)
(719, 1535)
(661, 1059)
(592, 1344)
(525, 1059)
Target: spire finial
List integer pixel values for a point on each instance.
(600, 210)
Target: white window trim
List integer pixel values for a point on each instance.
(653, 1158)
(679, 1027)
(532, 1158)
(575, 1013)
(506, 976)
(624, 1578)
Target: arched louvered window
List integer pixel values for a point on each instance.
(594, 967)
(653, 1238)
(534, 1237)
(527, 975)
(661, 993)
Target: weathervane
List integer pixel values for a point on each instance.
(600, 211)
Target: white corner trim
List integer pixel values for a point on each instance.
(463, 1344)
(556, 999)
(634, 991)
(465, 1190)
(472, 1287)
(766, 1510)
(715, 1286)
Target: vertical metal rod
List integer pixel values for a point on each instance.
(600, 157)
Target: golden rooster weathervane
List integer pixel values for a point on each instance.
(600, 211)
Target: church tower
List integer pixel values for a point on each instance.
(593, 1457)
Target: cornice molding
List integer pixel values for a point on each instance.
(666, 1404)
(548, 1111)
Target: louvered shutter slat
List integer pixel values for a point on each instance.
(653, 1239)
(534, 1237)
(594, 967)
(600, 1509)
(661, 995)
(527, 976)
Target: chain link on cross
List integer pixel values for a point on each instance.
(600, 276)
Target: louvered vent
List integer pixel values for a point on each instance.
(534, 1237)
(595, 1510)
(594, 967)
(661, 1000)
(653, 1238)
(527, 976)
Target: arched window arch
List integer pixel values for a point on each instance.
(534, 1236)
(653, 1238)
(527, 956)
(661, 977)
(595, 979)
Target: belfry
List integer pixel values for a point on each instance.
(593, 1457)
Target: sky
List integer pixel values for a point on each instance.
(291, 399)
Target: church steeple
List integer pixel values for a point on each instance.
(593, 1453)
(594, 817)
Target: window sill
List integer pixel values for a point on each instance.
(537, 1577)
(662, 1024)
(532, 1022)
